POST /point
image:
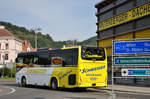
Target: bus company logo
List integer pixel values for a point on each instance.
(93, 69)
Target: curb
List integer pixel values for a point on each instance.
(132, 92)
(7, 80)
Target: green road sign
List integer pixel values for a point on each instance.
(131, 60)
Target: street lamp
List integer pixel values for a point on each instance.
(74, 42)
(3, 56)
(36, 30)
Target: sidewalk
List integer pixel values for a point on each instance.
(127, 88)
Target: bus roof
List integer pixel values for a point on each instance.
(54, 49)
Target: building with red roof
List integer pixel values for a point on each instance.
(26, 46)
(10, 46)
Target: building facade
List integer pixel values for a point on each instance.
(122, 19)
(10, 46)
(26, 46)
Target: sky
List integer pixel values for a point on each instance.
(61, 19)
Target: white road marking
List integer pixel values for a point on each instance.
(13, 90)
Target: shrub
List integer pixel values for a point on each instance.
(8, 72)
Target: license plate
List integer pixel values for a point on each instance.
(92, 78)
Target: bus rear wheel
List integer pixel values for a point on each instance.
(23, 82)
(54, 84)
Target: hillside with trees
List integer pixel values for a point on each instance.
(44, 40)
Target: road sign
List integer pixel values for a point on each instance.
(132, 47)
(135, 72)
(131, 60)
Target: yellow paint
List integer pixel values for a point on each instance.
(96, 73)
(88, 72)
(93, 56)
(36, 70)
(105, 42)
(143, 33)
(92, 72)
(108, 42)
(125, 36)
(109, 51)
(135, 13)
(61, 74)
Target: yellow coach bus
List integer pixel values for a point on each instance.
(70, 67)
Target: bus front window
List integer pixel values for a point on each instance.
(92, 53)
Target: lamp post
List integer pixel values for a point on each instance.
(3, 56)
(74, 42)
(36, 30)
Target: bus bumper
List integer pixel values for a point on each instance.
(92, 84)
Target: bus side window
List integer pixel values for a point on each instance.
(35, 60)
(28, 60)
(25, 60)
(19, 60)
(44, 60)
(67, 57)
(75, 57)
(53, 54)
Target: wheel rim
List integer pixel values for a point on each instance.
(54, 84)
(23, 82)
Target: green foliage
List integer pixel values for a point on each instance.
(29, 35)
(8, 72)
(90, 41)
(44, 40)
(8, 78)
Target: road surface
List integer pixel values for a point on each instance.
(9, 90)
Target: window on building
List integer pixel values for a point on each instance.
(107, 7)
(106, 33)
(6, 56)
(106, 15)
(124, 28)
(143, 22)
(7, 46)
(118, 2)
(125, 7)
(140, 2)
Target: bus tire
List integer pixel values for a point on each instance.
(54, 84)
(23, 82)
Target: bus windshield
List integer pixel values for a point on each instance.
(92, 53)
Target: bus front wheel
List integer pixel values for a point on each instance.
(23, 82)
(54, 84)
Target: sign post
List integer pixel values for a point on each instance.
(131, 58)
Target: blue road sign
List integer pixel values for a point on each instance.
(135, 72)
(132, 47)
(131, 61)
